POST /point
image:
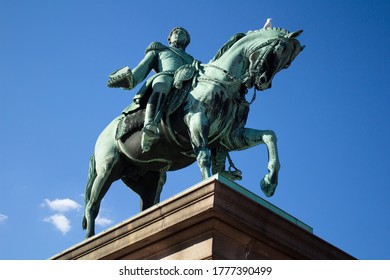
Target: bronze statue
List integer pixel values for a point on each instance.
(203, 118)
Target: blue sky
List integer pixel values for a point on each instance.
(330, 110)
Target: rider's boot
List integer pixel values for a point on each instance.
(150, 132)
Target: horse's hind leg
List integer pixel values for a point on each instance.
(148, 187)
(105, 168)
(152, 195)
(91, 179)
(107, 171)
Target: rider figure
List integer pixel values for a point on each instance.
(164, 60)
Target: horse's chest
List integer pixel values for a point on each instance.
(222, 114)
(217, 104)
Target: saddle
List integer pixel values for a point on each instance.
(132, 118)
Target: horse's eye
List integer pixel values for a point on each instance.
(280, 48)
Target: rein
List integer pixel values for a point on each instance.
(232, 79)
(260, 60)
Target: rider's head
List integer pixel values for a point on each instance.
(179, 37)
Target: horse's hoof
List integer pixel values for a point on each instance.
(89, 234)
(232, 175)
(267, 187)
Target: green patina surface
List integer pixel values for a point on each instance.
(174, 127)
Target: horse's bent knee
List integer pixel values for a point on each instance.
(269, 137)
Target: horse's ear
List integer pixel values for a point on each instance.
(294, 34)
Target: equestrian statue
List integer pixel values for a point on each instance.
(186, 112)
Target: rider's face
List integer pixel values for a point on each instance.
(178, 37)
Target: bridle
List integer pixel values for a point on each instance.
(252, 71)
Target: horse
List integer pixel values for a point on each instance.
(206, 122)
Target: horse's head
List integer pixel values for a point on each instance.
(268, 59)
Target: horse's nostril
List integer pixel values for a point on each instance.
(262, 80)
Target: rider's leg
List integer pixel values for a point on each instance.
(161, 87)
(152, 108)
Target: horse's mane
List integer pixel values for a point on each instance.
(239, 36)
(277, 29)
(228, 45)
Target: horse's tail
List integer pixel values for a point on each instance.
(91, 178)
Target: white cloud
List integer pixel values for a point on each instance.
(61, 222)
(62, 205)
(100, 221)
(3, 218)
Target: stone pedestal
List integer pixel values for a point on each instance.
(216, 219)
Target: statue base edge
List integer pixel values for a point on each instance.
(215, 219)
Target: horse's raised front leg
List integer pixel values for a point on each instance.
(246, 138)
(199, 129)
